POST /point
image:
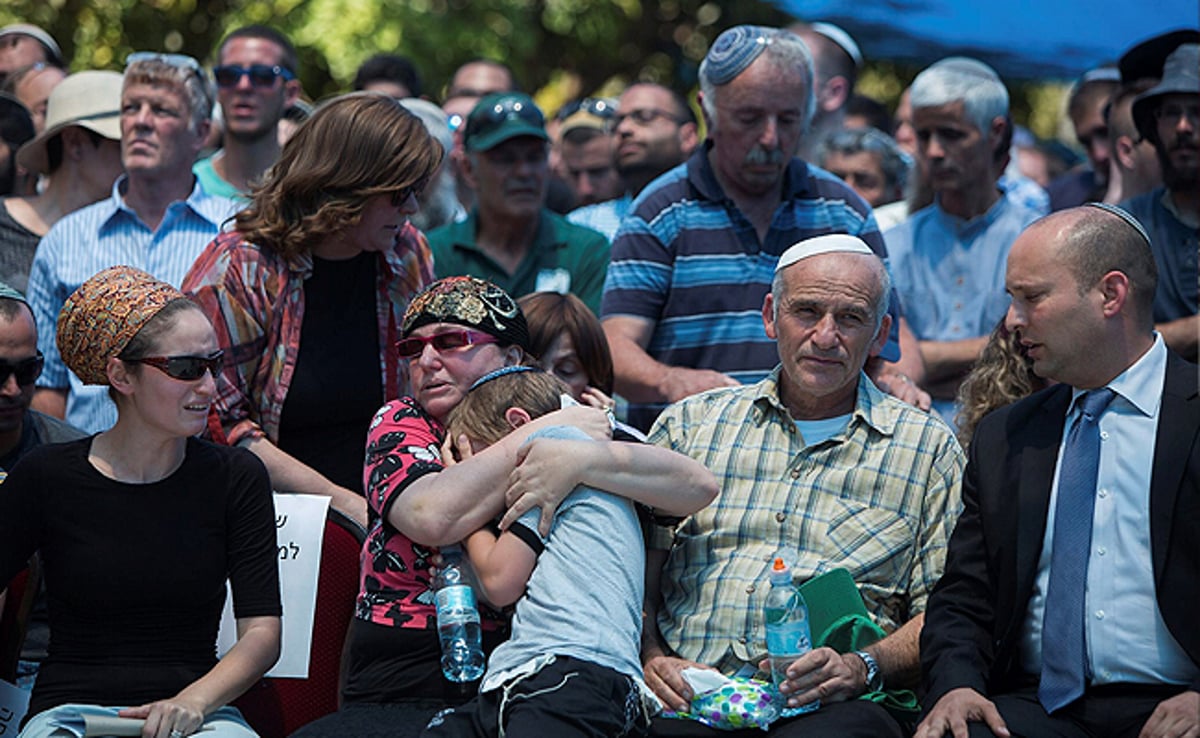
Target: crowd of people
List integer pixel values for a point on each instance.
(626, 355)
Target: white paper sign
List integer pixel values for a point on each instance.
(14, 701)
(299, 530)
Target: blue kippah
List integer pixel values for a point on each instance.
(502, 371)
(734, 50)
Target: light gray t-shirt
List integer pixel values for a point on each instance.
(584, 597)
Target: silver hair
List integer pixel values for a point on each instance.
(894, 161)
(879, 301)
(956, 78)
(785, 50)
(198, 92)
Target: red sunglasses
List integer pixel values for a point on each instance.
(413, 346)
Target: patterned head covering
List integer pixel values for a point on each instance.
(471, 302)
(735, 50)
(100, 318)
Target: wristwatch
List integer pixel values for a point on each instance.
(874, 676)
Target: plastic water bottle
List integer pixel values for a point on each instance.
(788, 636)
(458, 619)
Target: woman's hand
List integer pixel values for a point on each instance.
(546, 472)
(592, 421)
(353, 506)
(173, 718)
(593, 397)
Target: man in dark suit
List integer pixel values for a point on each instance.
(1068, 604)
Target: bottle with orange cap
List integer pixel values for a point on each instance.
(788, 636)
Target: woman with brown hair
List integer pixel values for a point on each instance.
(568, 342)
(307, 294)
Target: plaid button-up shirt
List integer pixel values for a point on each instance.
(879, 499)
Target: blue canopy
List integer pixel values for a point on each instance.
(1020, 39)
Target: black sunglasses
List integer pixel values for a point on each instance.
(400, 196)
(26, 370)
(186, 368)
(260, 75)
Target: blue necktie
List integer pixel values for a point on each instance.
(1064, 651)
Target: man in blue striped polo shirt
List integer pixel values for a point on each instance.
(158, 218)
(694, 259)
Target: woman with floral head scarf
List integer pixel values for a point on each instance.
(454, 332)
(140, 526)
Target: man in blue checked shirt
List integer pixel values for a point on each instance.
(158, 219)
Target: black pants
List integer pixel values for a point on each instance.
(853, 719)
(569, 697)
(1107, 711)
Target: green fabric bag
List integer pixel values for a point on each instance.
(838, 619)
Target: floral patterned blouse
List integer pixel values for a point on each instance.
(403, 444)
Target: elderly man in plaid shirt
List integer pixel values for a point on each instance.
(816, 463)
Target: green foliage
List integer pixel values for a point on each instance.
(580, 45)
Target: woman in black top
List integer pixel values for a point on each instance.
(140, 526)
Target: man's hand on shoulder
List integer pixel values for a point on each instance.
(680, 382)
(664, 675)
(955, 709)
(899, 385)
(1177, 716)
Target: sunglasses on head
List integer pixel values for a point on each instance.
(596, 106)
(186, 368)
(260, 75)
(182, 61)
(502, 110)
(26, 370)
(413, 346)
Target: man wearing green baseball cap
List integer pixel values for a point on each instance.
(510, 238)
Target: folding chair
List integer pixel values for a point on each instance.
(277, 707)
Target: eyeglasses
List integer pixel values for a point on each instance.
(185, 368)
(26, 370)
(644, 116)
(1172, 113)
(260, 75)
(182, 61)
(414, 346)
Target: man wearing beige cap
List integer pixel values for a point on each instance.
(79, 154)
(586, 147)
(817, 464)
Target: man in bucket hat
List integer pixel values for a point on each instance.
(1168, 116)
(510, 238)
(79, 154)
